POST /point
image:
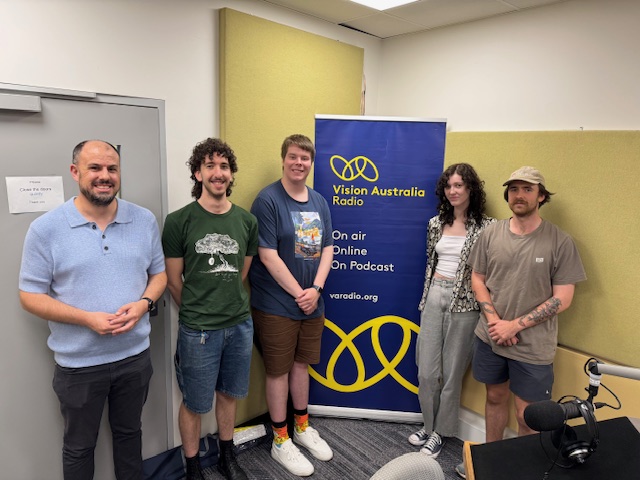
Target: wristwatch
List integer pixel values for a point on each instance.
(318, 288)
(152, 304)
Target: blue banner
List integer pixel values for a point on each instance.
(378, 176)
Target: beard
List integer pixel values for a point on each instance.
(523, 212)
(99, 200)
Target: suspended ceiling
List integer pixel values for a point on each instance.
(414, 17)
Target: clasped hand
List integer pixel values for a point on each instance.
(308, 300)
(504, 332)
(122, 321)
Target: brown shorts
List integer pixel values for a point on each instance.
(283, 341)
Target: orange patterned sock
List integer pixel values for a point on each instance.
(280, 435)
(302, 422)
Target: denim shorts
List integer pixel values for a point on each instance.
(213, 360)
(530, 382)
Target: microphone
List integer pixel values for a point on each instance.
(549, 415)
(594, 383)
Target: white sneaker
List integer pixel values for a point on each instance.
(310, 439)
(419, 438)
(291, 458)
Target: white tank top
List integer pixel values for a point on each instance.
(448, 249)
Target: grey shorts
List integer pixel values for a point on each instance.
(531, 383)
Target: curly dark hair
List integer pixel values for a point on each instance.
(203, 150)
(543, 191)
(477, 197)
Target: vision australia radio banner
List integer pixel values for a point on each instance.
(378, 176)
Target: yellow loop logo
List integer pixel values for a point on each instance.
(354, 168)
(388, 366)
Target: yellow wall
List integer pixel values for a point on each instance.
(273, 81)
(594, 176)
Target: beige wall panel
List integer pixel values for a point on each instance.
(594, 175)
(274, 79)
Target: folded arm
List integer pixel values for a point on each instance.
(306, 298)
(504, 330)
(48, 308)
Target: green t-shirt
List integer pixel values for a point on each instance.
(213, 248)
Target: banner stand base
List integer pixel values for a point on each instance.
(381, 415)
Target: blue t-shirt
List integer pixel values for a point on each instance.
(298, 231)
(67, 257)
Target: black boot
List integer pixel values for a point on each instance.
(227, 463)
(194, 470)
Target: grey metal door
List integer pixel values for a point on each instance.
(40, 144)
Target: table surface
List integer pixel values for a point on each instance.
(528, 458)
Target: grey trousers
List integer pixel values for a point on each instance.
(443, 353)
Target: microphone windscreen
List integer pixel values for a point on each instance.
(544, 416)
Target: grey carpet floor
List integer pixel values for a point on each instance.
(360, 448)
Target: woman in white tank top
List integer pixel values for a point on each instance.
(449, 310)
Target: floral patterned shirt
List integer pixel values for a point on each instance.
(462, 298)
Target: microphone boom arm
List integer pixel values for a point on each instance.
(598, 368)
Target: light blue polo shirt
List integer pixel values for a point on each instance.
(69, 258)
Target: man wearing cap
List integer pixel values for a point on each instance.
(524, 274)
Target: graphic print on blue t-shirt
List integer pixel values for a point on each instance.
(216, 244)
(308, 228)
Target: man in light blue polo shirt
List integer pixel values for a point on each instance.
(94, 268)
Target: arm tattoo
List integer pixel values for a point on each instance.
(542, 313)
(486, 307)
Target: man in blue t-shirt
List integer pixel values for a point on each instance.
(208, 246)
(287, 277)
(93, 267)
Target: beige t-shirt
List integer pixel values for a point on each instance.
(520, 271)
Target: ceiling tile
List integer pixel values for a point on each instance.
(532, 3)
(335, 11)
(411, 18)
(383, 25)
(445, 12)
